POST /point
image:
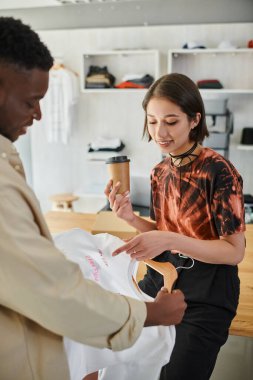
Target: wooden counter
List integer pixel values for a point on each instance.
(242, 325)
(59, 221)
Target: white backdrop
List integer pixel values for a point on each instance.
(58, 168)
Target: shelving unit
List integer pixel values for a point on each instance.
(232, 67)
(219, 138)
(120, 63)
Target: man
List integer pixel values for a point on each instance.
(43, 296)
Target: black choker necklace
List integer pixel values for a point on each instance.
(188, 154)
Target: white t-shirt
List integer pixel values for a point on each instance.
(152, 350)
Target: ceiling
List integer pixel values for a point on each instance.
(68, 14)
(21, 4)
(15, 4)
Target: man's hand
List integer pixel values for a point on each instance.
(167, 309)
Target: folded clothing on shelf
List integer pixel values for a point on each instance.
(96, 85)
(132, 76)
(129, 84)
(193, 45)
(209, 84)
(106, 145)
(136, 81)
(99, 77)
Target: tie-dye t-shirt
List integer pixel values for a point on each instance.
(202, 199)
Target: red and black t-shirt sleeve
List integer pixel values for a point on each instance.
(228, 202)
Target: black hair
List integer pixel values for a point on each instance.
(21, 47)
(182, 91)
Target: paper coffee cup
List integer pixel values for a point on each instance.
(118, 168)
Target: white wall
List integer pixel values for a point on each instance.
(59, 168)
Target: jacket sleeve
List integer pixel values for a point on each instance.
(37, 281)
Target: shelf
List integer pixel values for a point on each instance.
(232, 67)
(119, 63)
(114, 90)
(244, 147)
(225, 91)
(212, 51)
(204, 92)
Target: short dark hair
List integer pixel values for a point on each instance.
(182, 91)
(22, 47)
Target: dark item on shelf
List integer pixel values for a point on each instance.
(209, 84)
(248, 198)
(145, 81)
(96, 85)
(118, 149)
(193, 45)
(99, 76)
(247, 136)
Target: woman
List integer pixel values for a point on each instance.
(198, 223)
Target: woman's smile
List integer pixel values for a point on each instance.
(164, 144)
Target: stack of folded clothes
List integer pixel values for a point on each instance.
(136, 81)
(99, 77)
(102, 144)
(209, 84)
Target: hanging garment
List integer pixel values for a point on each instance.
(152, 350)
(58, 106)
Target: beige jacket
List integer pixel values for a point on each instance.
(42, 295)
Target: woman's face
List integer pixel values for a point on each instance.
(169, 126)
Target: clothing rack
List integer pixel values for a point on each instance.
(59, 65)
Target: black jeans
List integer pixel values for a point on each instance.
(193, 357)
(209, 291)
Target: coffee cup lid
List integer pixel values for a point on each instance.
(117, 160)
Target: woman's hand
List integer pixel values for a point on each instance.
(119, 203)
(148, 245)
